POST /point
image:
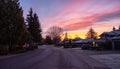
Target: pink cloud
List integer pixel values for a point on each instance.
(92, 19)
(77, 15)
(77, 26)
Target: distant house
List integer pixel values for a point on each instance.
(111, 34)
(75, 40)
(113, 37)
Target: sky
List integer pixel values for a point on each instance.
(75, 16)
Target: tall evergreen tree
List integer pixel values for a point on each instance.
(34, 26)
(91, 34)
(37, 29)
(48, 40)
(3, 23)
(12, 23)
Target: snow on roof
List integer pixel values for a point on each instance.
(100, 40)
(80, 41)
(77, 39)
(111, 33)
(83, 41)
(116, 32)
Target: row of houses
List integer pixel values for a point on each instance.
(109, 40)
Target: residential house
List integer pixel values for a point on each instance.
(112, 38)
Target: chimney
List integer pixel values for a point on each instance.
(114, 28)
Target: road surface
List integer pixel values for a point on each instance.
(49, 57)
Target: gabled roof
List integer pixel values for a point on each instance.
(107, 33)
(111, 33)
(116, 32)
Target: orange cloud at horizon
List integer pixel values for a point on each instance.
(98, 28)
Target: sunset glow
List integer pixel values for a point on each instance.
(76, 16)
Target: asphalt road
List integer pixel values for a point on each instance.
(48, 57)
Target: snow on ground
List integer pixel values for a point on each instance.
(111, 60)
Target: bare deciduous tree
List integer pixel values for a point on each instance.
(55, 32)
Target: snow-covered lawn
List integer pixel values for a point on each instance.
(112, 60)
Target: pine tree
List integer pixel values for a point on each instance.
(12, 24)
(29, 21)
(48, 40)
(34, 27)
(3, 23)
(37, 29)
(91, 34)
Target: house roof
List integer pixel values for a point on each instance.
(116, 32)
(100, 40)
(77, 39)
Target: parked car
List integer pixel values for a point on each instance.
(85, 46)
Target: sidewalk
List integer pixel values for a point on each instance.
(111, 60)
